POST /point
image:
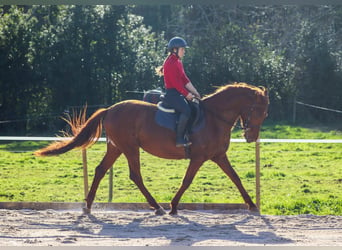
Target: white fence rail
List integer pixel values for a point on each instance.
(28, 138)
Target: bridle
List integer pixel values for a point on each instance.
(245, 126)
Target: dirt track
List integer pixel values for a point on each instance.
(143, 228)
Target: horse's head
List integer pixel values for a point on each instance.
(243, 102)
(254, 113)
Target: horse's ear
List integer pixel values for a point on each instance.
(265, 90)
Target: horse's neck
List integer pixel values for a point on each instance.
(225, 108)
(231, 98)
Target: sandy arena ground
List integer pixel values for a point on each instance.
(143, 228)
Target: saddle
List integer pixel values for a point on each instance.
(167, 117)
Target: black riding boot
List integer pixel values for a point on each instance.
(180, 133)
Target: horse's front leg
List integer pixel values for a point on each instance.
(187, 180)
(225, 165)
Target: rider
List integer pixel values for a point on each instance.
(178, 87)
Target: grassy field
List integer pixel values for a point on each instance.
(296, 178)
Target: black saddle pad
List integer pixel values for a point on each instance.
(169, 120)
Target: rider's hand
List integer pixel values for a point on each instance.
(190, 96)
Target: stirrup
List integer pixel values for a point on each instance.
(183, 144)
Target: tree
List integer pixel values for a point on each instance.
(73, 55)
(54, 57)
(263, 45)
(17, 80)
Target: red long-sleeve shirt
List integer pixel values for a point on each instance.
(174, 75)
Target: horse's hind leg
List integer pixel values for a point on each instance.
(107, 162)
(132, 156)
(225, 165)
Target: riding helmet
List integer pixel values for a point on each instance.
(176, 42)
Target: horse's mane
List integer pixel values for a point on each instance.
(237, 85)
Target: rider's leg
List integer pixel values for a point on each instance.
(181, 141)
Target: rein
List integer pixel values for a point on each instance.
(219, 117)
(245, 125)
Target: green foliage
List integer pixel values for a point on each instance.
(18, 83)
(285, 48)
(54, 57)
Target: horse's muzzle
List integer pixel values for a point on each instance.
(250, 135)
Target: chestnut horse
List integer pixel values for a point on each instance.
(130, 125)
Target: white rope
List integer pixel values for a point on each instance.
(317, 107)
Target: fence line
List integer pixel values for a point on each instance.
(28, 138)
(257, 156)
(318, 107)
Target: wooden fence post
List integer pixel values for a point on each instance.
(110, 194)
(257, 173)
(85, 172)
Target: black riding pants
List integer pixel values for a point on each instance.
(175, 100)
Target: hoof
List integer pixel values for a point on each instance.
(173, 212)
(160, 211)
(86, 210)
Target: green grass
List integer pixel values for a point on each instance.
(296, 178)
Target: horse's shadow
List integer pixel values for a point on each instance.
(182, 232)
(172, 230)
